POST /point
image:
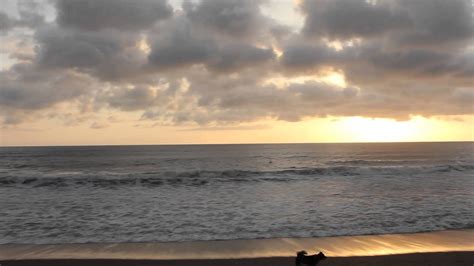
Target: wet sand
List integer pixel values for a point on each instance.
(453, 247)
(342, 246)
(419, 259)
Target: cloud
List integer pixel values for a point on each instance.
(346, 19)
(26, 91)
(115, 14)
(30, 12)
(377, 64)
(229, 128)
(130, 99)
(25, 87)
(211, 64)
(239, 18)
(300, 56)
(403, 22)
(29, 18)
(436, 22)
(240, 55)
(108, 54)
(98, 125)
(181, 44)
(6, 23)
(373, 62)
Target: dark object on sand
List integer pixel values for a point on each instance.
(302, 258)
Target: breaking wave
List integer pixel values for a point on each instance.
(198, 178)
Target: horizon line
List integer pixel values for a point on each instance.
(243, 143)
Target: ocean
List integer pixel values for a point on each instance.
(169, 193)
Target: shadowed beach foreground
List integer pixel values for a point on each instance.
(420, 259)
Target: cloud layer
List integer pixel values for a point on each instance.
(220, 63)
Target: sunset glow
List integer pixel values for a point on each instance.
(382, 130)
(276, 71)
(256, 132)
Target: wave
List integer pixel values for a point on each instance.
(198, 178)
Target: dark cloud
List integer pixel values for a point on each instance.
(372, 61)
(407, 22)
(29, 92)
(284, 104)
(116, 14)
(238, 18)
(239, 55)
(345, 19)
(108, 54)
(436, 22)
(377, 63)
(6, 23)
(131, 99)
(184, 45)
(26, 87)
(300, 56)
(179, 44)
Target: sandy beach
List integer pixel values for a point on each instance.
(454, 247)
(419, 259)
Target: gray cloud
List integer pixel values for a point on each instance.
(373, 62)
(407, 22)
(185, 45)
(108, 54)
(30, 12)
(436, 22)
(300, 56)
(116, 14)
(239, 55)
(346, 19)
(376, 63)
(292, 104)
(6, 23)
(29, 18)
(131, 99)
(26, 87)
(238, 18)
(179, 44)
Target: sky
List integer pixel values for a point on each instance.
(93, 72)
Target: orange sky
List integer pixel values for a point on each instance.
(353, 129)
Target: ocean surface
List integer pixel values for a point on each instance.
(115, 194)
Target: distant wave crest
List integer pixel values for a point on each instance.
(197, 178)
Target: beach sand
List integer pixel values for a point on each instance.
(453, 247)
(419, 259)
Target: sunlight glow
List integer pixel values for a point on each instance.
(143, 45)
(124, 128)
(335, 78)
(382, 130)
(329, 77)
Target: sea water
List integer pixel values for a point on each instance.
(116, 194)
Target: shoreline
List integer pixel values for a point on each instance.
(339, 246)
(432, 259)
